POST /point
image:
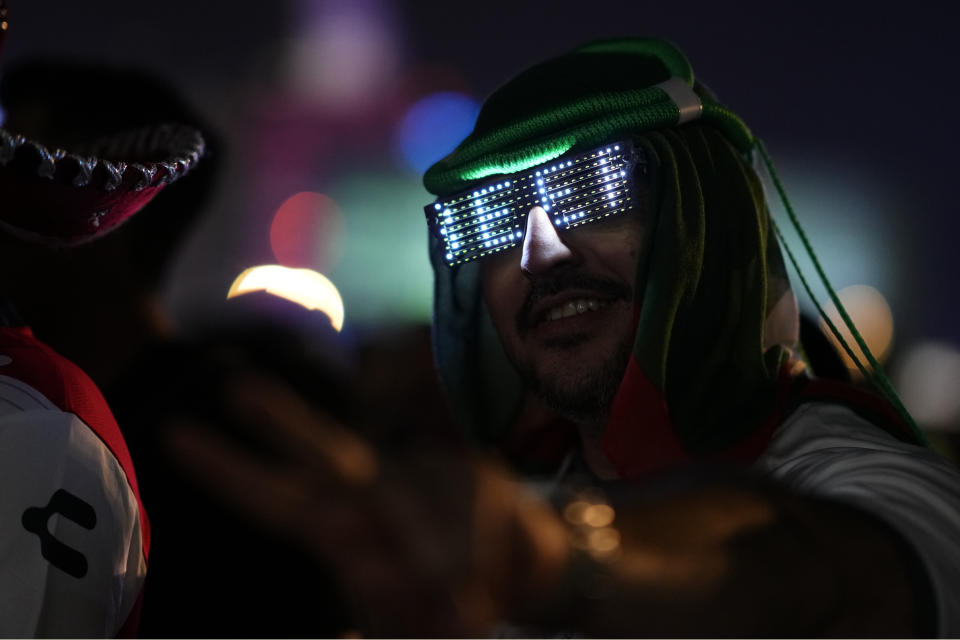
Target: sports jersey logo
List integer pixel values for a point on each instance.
(62, 556)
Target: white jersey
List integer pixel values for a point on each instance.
(74, 537)
(827, 450)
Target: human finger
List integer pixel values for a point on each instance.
(302, 431)
(247, 482)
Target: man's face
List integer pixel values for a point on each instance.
(563, 305)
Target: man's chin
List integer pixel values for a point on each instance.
(580, 391)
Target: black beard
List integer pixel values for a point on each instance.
(585, 401)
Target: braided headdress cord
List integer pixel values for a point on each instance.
(875, 374)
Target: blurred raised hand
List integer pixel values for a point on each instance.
(426, 543)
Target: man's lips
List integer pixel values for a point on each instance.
(566, 305)
(571, 296)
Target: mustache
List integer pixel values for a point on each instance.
(560, 282)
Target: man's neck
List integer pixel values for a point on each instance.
(591, 439)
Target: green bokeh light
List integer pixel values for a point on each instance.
(384, 274)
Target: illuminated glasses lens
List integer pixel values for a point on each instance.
(573, 190)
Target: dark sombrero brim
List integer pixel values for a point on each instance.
(64, 197)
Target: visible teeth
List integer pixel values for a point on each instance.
(574, 307)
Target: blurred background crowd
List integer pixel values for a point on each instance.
(323, 114)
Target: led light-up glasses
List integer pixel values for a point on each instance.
(573, 190)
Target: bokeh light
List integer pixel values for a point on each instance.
(873, 318)
(306, 231)
(603, 541)
(305, 287)
(384, 274)
(851, 219)
(344, 53)
(433, 126)
(928, 379)
(598, 515)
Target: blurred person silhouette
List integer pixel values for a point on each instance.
(613, 316)
(75, 538)
(212, 573)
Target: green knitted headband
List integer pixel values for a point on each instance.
(586, 120)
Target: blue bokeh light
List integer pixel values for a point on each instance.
(433, 126)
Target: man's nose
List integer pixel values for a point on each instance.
(543, 248)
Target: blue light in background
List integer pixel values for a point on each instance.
(433, 126)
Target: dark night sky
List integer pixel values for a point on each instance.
(865, 85)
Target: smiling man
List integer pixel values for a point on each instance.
(605, 264)
(566, 316)
(605, 267)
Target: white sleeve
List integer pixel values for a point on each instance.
(71, 557)
(827, 450)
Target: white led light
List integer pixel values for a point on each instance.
(542, 190)
(483, 227)
(557, 220)
(581, 215)
(507, 183)
(543, 199)
(540, 181)
(569, 162)
(487, 243)
(448, 221)
(511, 236)
(623, 174)
(483, 192)
(496, 241)
(476, 193)
(455, 245)
(617, 147)
(519, 233)
(608, 149)
(437, 206)
(546, 207)
(567, 192)
(449, 256)
(552, 196)
(486, 235)
(453, 236)
(603, 160)
(447, 212)
(609, 196)
(498, 213)
(553, 168)
(443, 231)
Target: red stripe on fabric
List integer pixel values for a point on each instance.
(72, 391)
(640, 439)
